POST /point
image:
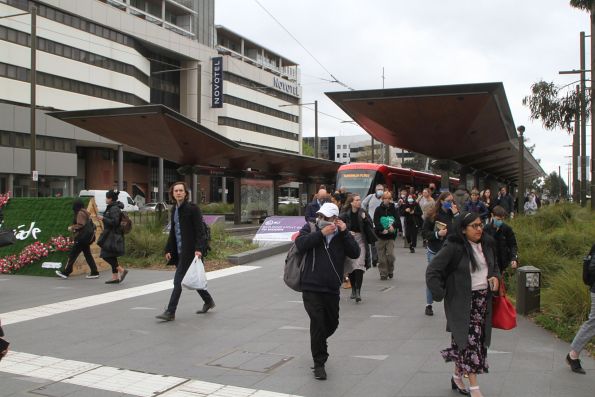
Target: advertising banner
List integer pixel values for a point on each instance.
(277, 229)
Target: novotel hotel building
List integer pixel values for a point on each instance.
(97, 54)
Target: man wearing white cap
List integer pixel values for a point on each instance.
(325, 247)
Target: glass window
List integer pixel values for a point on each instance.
(344, 155)
(344, 146)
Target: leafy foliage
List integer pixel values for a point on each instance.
(555, 186)
(555, 110)
(582, 4)
(307, 150)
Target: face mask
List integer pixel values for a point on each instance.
(498, 222)
(410, 200)
(321, 223)
(446, 205)
(379, 193)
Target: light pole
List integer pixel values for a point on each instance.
(315, 103)
(33, 84)
(521, 192)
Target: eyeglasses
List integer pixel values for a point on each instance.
(476, 226)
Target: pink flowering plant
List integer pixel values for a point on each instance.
(61, 243)
(4, 199)
(35, 252)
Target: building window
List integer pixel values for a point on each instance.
(344, 146)
(246, 125)
(344, 155)
(338, 146)
(232, 100)
(338, 155)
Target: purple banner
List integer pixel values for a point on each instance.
(279, 229)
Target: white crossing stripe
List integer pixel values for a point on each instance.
(379, 357)
(119, 380)
(33, 313)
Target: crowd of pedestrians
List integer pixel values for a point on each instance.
(469, 246)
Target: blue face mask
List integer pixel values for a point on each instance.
(379, 193)
(498, 222)
(446, 205)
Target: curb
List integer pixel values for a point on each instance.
(258, 253)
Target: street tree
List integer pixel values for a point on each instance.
(555, 186)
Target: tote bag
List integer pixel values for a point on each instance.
(195, 277)
(503, 312)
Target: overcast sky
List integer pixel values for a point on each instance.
(420, 43)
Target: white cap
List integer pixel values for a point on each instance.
(329, 210)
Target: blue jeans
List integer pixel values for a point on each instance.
(587, 330)
(429, 300)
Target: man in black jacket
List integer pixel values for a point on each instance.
(587, 330)
(187, 239)
(313, 207)
(325, 248)
(505, 200)
(505, 240)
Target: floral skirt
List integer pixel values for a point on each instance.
(472, 359)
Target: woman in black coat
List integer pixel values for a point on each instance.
(187, 240)
(412, 213)
(464, 273)
(361, 228)
(111, 240)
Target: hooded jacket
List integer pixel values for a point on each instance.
(505, 244)
(382, 217)
(448, 277)
(323, 268)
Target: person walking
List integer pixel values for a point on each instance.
(464, 273)
(486, 199)
(505, 201)
(84, 235)
(400, 206)
(385, 224)
(474, 204)
(325, 249)
(111, 239)
(369, 204)
(187, 240)
(3, 343)
(314, 205)
(361, 228)
(504, 239)
(587, 331)
(438, 224)
(412, 212)
(530, 207)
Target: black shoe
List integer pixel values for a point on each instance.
(454, 386)
(429, 311)
(116, 281)
(206, 307)
(383, 277)
(412, 250)
(123, 275)
(320, 373)
(575, 365)
(390, 275)
(166, 316)
(352, 293)
(358, 297)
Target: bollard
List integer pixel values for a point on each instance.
(528, 289)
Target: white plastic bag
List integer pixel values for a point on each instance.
(195, 277)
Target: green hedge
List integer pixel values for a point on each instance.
(556, 240)
(51, 215)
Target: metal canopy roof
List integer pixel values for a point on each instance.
(470, 123)
(162, 132)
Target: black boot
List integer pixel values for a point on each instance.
(352, 292)
(358, 297)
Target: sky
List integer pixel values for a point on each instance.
(421, 43)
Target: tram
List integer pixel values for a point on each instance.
(362, 178)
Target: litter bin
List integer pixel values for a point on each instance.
(528, 289)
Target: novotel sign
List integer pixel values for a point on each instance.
(217, 89)
(283, 85)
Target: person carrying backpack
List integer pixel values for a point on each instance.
(84, 234)
(187, 239)
(111, 240)
(326, 248)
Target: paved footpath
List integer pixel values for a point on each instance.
(81, 337)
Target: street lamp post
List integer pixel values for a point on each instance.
(521, 192)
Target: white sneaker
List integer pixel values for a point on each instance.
(92, 276)
(60, 274)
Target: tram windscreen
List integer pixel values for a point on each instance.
(356, 181)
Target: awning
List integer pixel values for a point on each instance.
(470, 123)
(162, 132)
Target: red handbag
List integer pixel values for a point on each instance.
(503, 312)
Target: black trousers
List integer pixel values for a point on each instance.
(411, 235)
(356, 278)
(177, 291)
(77, 248)
(323, 310)
(113, 262)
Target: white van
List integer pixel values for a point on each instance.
(99, 195)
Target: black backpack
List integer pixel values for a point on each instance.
(207, 232)
(87, 233)
(294, 266)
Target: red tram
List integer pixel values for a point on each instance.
(362, 178)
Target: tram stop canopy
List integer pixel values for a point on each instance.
(162, 132)
(470, 123)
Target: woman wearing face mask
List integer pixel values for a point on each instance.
(464, 273)
(412, 212)
(436, 226)
(505, 240)
(530, 206)
(360, 226)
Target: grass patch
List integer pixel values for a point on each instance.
(555, 240)
(216, 208)
(289, 209)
